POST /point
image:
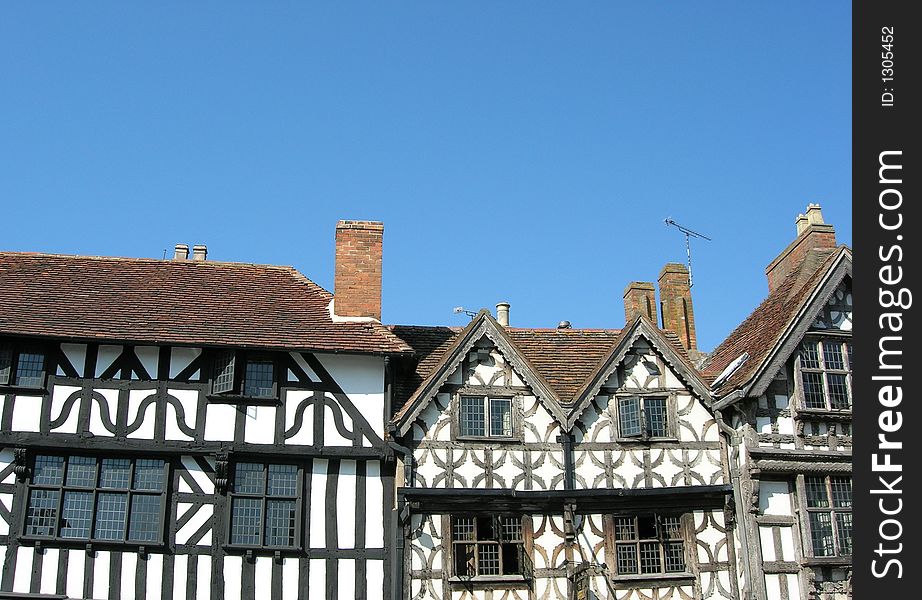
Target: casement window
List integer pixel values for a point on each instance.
(643, 417)
(488, 546)
(244, 374)
(97, 499)
(649, 544)
(264, 505)
(22, 367)
(829, 506)
(484, 416)
(826, 373)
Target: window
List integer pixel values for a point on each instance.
(642, 417)
(22, 367)
(264, 505)
(255, 380)
(485, 546)
(829, 506)
(649, 544)
(826, 373)
(482, 416)
(104, 499)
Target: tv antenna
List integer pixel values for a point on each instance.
(688, 234)
(461, 310)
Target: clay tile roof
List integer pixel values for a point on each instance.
(565, 358)
(759, 333)
(176, 302)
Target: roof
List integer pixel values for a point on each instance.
(564, 358)
(762, 330)
(201, 303)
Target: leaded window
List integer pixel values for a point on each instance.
(649, 544)
(643, 417)
(264, 505)
(488, 546)
(826, 373)
(243, 374)
(22, 367)
(91, 498)
(483, 416)
(829, 506)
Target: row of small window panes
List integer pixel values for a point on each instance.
(264, 504)
(30, 368)
(639, 416)
(649, 544)
(830, 529)
(839, 492)
(836, 390)
(88, 471)
(832, 355)
(473, 421)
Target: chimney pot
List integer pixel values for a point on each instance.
(801, 223)
(814, 214)
(199, 252)
(502, 313)
(812, 233)
(357, 281)
(181, 252)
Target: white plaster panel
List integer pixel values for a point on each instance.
(148, 418)
(507, 471)
(631, 468)
(787, 544)
(101, 574)
(59, 396)
(317, 590)
(220, 420)
(671, 379)
(180, 569)
(180, 358)
(362, 380)
(305, 434)
(331, 435)
(155, 576)
(767, 542)
(290, 577)
(200, 476)
(345, 511)
(129, 571)
(202, 577)
(299, 360)
(346, 587)
(198, 519)
(6, 459)
(149, 356)
(773, 586)
(263, 572)
(786, 425)
(259, 425)
(781, 401)
(233, 569)
(6, 500)
(76, 354)
(105, 357)
(426, 470)
(318, 508)
(546, 428)
(548, 470)
(27, 413)
(49, 580)
(374, 576)
(774, 498)
(468, 470)
(188, 399)
(110, 405)
(76, 567)
(793, 587)
(374, 499)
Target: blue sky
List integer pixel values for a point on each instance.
(519, 151)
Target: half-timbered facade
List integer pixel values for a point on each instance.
(186, 429)
(782, 381)
(559, 464)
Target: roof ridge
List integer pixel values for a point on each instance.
(145, 259)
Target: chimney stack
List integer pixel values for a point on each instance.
(199, 252)
(502, 314)
(181, 252)
(676, 304)
(812, 232)
(640, 299)
(357, 285)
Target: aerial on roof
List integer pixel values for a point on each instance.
(190, 302)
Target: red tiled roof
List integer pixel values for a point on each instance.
(760, 332)
(176, 302)
(565, 358)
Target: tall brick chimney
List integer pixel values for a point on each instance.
(676, 304)
(640, 299)
(357, 285)
(812, 232)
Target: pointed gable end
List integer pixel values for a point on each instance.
(482, 326)
(640, 328)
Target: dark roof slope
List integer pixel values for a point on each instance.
(176, 302)
(760, 332)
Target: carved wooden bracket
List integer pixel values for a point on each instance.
(569, 522)
(20, 462)
(729, 512)
(221, 474)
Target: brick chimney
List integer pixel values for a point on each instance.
(640, 299)
(357, 285)
(812, 232)
(676, 304)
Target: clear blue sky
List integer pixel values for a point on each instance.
(520, 151)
